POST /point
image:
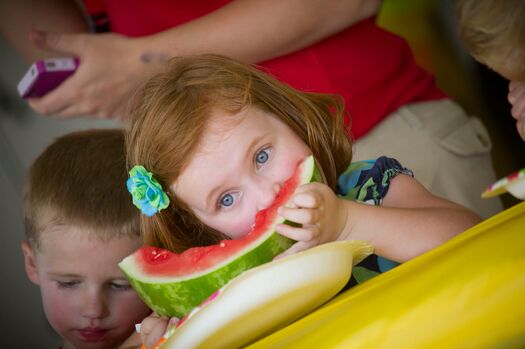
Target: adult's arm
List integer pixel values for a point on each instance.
(257, 30)
(17, 18)
(249, 30)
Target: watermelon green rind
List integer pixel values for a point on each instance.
(316, 175)
(177, 296)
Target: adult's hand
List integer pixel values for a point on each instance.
(111, 67)
(252, 31)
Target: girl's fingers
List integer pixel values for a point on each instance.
(297, 247)
(310, 199)
(309, 233)
(300, 215)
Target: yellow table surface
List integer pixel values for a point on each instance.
(467, 293)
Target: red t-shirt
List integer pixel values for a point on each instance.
(373, 69)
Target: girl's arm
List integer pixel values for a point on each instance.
(410, 221)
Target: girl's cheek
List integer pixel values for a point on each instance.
(238, 229)
(284, 169)
(238, 224)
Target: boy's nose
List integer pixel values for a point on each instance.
(94, 306)
(266, 191)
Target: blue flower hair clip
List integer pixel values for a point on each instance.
(147, 193)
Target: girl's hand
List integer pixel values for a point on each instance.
(322, 215)
(153, 328)
(111, 67)
(517, 100)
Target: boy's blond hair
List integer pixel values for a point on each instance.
(168, 119)
(80, 180)
(494, 33)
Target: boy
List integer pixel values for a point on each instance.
(494, 33)
(79, 224)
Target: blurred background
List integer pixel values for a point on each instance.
(429, 27)
(23, 135)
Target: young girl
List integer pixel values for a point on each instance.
(221, 137)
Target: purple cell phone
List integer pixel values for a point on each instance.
(44, 75)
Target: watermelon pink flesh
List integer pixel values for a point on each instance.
(173, 284)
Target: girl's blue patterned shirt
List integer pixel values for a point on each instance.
(368, 181)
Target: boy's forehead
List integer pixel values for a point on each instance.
(70, 252)
(71, 237)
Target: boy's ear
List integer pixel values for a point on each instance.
(30, 262)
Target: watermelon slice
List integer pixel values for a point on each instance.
(173, 284)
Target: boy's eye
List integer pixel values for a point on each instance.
(262, 156)
(67, 284)
(120, 286)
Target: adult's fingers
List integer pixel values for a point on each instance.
(67, 44)
(518, 107)
(85, 109)
(513, 85)
(55, 101)
(520, 126)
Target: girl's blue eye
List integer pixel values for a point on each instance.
(262, 156)
(226, 200)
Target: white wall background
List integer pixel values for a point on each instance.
(23, 135)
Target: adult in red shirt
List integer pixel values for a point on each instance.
(331, 47)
